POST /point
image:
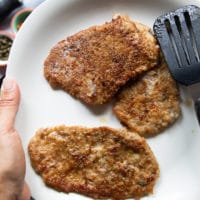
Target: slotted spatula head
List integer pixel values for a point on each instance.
(178, 33)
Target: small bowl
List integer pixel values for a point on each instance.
(19, 18)
(6, 40)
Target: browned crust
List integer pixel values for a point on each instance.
(98, 162)
(93, 64)
(151, 104)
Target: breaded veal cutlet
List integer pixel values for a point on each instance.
(97, 162)
(150, 104)
(93, 64)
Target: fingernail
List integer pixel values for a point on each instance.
(8, 84)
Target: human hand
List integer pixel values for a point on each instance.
(12, 160)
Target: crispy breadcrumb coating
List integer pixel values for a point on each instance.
(97, 162)
(150, 104)
(93, 64)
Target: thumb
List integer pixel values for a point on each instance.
(9, 103)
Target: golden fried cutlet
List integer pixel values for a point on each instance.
(151, 103)
(97, 162)
(93, 64)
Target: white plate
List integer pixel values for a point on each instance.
(177, 149)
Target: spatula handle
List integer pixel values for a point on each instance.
(197, 108)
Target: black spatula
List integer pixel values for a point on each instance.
(178, 33)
